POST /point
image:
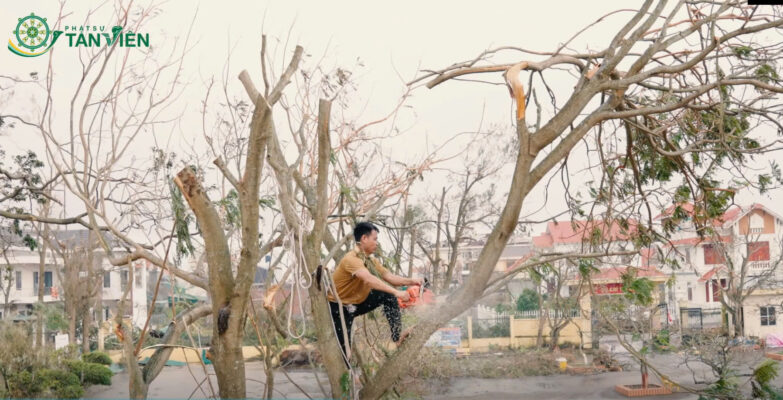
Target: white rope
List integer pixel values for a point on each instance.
(296, 287)
(328, 285)
(303, 281)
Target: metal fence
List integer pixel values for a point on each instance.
(491, 327)
(701, 318)
(534, 314)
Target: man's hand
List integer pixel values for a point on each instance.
(416, 282)
(403, 295)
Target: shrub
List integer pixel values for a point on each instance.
(24, 385)
(662, 338)
(90, 372)
(97, 357)
(70, 392)
(97, 374)
(55, 378)
(527, 300)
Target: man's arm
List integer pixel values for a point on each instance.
(399, 280)
(377, 284)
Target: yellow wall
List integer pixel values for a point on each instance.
(525, 331)
(752, 315)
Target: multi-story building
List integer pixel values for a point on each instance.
(23, 265)
(746, 245)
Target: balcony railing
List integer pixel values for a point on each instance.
(759, 265)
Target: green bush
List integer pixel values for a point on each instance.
(24, 385)
(55, 378)
(92, 373)
(662, 338)
(527, 300)
(97, 374)
(97, 357)
(70, 392)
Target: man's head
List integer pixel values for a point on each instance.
(366, 236)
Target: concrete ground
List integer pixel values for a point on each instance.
(183, 382)
(177, 382)
(186, 381)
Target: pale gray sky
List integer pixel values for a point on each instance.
(393, 40)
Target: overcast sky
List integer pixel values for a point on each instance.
(392, 40)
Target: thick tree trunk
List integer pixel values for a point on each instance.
(229, 364)
(554, 337)
(327, 341)
(7, 281)
(228, 302)
(541, 319)
(137, 388)
(72, 326)
(41, 283)
(99, 303)
(86, 325)
(738, 323)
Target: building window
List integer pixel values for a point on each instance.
(107, 279)
(18, 280)
(768, 316)
(690, 292)
(123, 279)
(713, 255)
(47, 281)
(758, 251)
(137, 278)
(716, 288)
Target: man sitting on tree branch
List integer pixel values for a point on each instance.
(363, 284)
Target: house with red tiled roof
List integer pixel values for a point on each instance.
(578, 233)
(743, 235)
(598, 236)
(588, 237)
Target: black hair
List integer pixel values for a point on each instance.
(363, 228)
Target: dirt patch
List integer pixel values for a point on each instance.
(433, 370)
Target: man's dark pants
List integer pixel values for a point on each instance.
(391, 309)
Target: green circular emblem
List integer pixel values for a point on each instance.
(32, 32)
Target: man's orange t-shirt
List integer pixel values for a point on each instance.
(350, 288)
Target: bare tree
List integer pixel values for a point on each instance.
(7, 270)
(664, 97)
(745, 274)
(464, 207)
(79, 283)
(647, 77)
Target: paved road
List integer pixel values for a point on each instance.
(557, 387)
(177, 382)
(181, 382)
